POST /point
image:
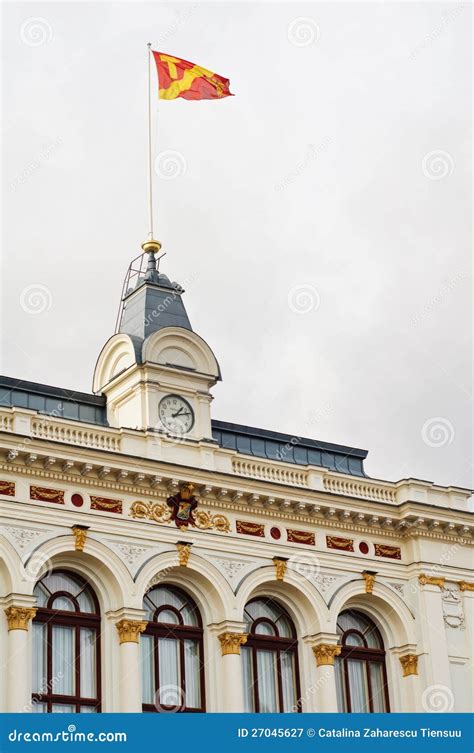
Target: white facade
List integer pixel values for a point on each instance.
(415, 582)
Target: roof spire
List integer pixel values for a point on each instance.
(151, 247)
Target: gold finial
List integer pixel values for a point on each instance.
(151, 246)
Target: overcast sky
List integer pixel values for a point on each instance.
(320, 220)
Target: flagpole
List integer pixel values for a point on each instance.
(151, 246)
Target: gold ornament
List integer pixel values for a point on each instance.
(281, 564)
(80, 534)
(129, 630)
(369, 577)
(19, 617)
(409, 664)
(428, 580)
(325, 653)
(184, 552)
(465, 586)
(231, 642)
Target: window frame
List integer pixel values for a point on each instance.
(274, 643)
(180, 633)
(366, 655)
(77, 620)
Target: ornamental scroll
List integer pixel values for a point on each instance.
(181, 510)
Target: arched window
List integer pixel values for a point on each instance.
(66, 645)
(270, 659)
(361, 677)
(172, 652)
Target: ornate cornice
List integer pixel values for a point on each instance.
(129, 630)
(325, 653)
(428, 580)
(231, 642)
(18, 618)
(409, 664)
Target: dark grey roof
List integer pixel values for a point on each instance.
(260, 443)
(53, 401)
(153, 306)
(272, 445)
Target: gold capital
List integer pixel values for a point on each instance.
(465, 586)
(369, 578)
(428, 580)
(80, 534)
(325, 653)
(280, 567)
(19, 617)
(129, 630)
(231, 642)
(409, 664)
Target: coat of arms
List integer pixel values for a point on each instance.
(182, 506)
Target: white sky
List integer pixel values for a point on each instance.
(341, 165)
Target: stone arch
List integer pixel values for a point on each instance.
(295, 593)
(117, 355)
(194, 350)
(11, 580)
(384, 606)
(204, 583)
(98, 564)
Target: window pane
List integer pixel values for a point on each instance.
(170, 675)
(88, 710)
(353, 640)
(263, 628)
(358, 686)
(288, 681)
(267, 681)
(38, 708)
(248, 679)
(192, 674)
(377, 686)
(86, 602)
(39, 657)
(63, 604)
(340, 685)
(168, 616)
(148, 668)
(64, 708)
(63, 660)
(88, 663)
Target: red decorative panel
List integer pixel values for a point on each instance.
(7, 488)
(392, 552)
(300, 537)
(77, 500)
(42, 494)
(106, 505)
(251, 529)
(275, 533)
(363, 547)
(336, 542)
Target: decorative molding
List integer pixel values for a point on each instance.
(129, 552)
(184, 552)
(398, 587)
(391, 552)
(106, 505)
(23, 536)
(249, 528)
(18, 618)
(80, 535)
(281, 563)
(325, 653)
(409, 664)
(129, 630)
(231, 642)
(157, 511)
(465, 585)
(43, 494)
(428, 580)
(324, 582)
(205, 520)
(336, 542)
(369, 577)
(7, 488)
(300, 537)
(160, 512)
(453, 613)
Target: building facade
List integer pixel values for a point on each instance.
(155, 559)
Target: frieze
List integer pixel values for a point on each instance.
(453, 612)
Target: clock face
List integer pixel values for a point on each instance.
(176, 414)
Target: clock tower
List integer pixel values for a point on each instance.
(155, 371)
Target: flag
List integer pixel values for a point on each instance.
(179, 78)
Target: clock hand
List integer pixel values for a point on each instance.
(178, 413)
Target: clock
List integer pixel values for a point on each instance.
(176, 414)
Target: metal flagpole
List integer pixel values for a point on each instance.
(151, 246)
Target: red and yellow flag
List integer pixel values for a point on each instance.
(179, 78)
